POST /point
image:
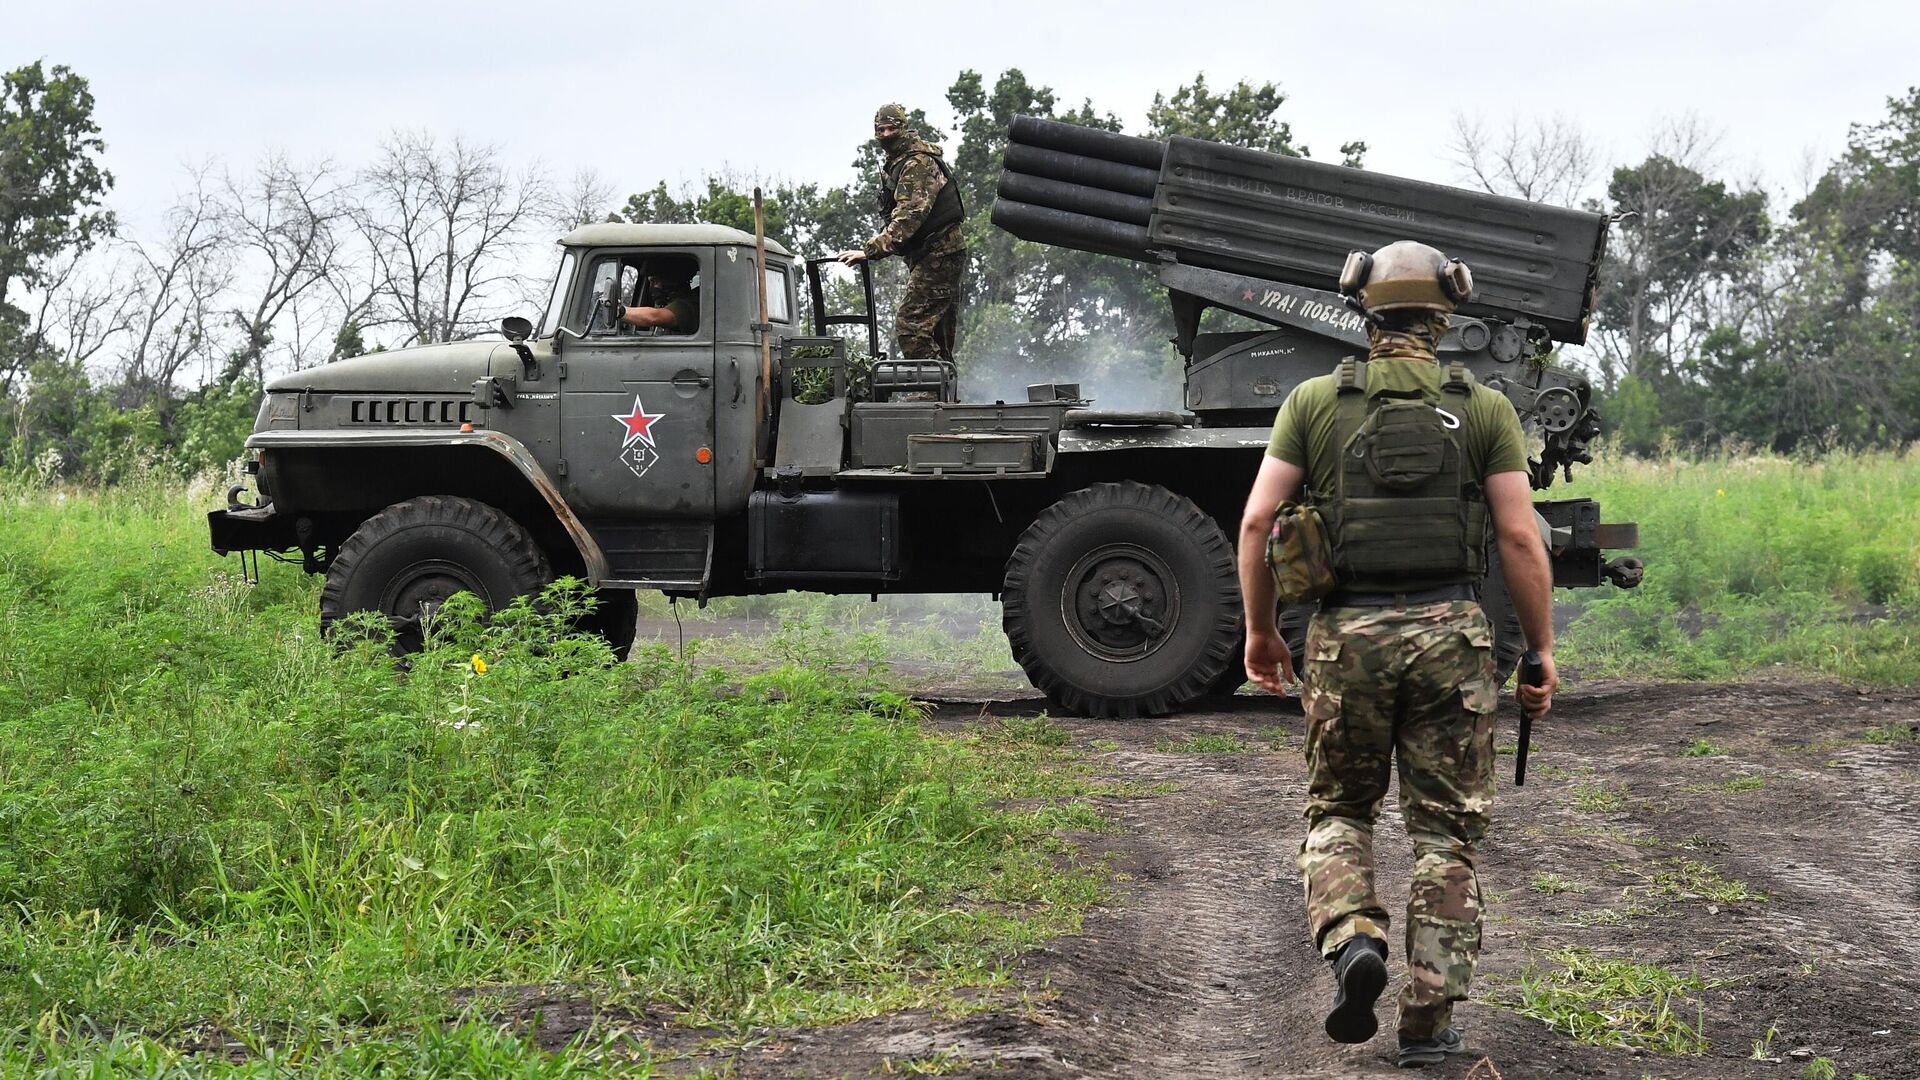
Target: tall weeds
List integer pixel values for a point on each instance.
(1758, 561)
(209, 817)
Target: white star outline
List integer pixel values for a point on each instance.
(645, 434)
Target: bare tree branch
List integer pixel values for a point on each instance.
(1550, 160)
(441, 228)
(180, 281)
(285, 219)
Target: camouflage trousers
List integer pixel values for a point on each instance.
(929, 314)
(1417, 685)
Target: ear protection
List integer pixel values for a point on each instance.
(1456, 281)
(1354, 274)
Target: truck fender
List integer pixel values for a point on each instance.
(505, 446)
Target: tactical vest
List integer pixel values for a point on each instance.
(945, 213)
(1404, 514)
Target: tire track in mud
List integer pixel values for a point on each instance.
(1200, 966)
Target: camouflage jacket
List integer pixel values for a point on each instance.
(919, 184)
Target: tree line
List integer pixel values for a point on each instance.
(1722, 316)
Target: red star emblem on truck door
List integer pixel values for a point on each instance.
(638, 424)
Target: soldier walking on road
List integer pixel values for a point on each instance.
(923, 210)
(1404, 460)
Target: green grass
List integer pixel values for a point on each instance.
(215, 828)
(1612, 1002)
(1551, 884)
(1685, 878)
(1758, 562)
(1703, 748)
(1600, 798)
(1892, 734)
(918, 639)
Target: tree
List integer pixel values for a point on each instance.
(176, 287)
(1243, 116)
(1549, 160)
(1682, 235)
(442, 227)
(50, 188)
(585, 200)
(285, 219)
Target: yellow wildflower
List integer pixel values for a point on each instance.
(1719, 493)
(479, 665)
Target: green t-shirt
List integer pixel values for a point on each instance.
(1303, 431)
(686, 312)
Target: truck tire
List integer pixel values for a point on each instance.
(413, 555)
(616, 619)
(1234, 676)
(1122, 600)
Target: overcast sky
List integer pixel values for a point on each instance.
(649, 91)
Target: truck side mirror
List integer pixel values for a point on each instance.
(515, 328)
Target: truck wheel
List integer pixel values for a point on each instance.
(1234, 676)
(1122, 600)
(406, 560)
(616, 619)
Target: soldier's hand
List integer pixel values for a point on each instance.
(852, 258)
(1269, 662)
(615, 311)
(1538, 699)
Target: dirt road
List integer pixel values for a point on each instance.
(1776, 865)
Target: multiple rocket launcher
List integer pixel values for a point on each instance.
(1290, 220)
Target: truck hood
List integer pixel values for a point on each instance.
(447, 368)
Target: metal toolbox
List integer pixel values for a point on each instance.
(989, 453)
(881, 430)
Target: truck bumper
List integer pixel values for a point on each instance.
(1576, 538)
(250, 528)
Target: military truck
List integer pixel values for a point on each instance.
(746, 454)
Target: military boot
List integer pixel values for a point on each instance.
(1359, 974)
(1419, 1053)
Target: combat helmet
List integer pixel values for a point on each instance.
(1406, 275)
(891, 113)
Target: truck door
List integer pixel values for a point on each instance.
(636, 427)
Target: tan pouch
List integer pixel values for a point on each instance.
(1300, 554)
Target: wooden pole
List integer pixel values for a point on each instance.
(763, 421)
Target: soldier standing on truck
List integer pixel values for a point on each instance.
(1405, 460)
(923, 210)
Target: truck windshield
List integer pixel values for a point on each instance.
(557, 298)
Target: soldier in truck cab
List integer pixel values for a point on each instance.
(923, 210)
(673, 304)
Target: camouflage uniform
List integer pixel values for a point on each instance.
(929, 312)
(1416, 683)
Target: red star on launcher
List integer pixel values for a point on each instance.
(639, 423)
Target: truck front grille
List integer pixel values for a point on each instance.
(409, 410)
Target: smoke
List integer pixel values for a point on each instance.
(1115, 376)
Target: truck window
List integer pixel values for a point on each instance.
(557, 298)
(664, 288)
(778, 308)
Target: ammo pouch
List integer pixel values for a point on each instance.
(1300, 555)
(1404, 513)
